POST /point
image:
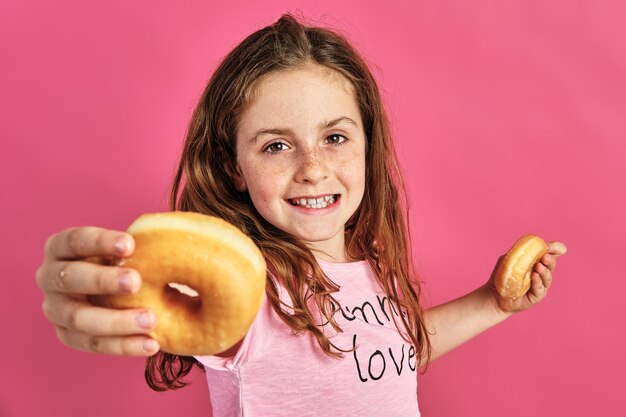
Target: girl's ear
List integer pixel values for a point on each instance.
(236, 177)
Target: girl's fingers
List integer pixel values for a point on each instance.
(549, 261)
(127, 345)
(544, 275)
(81, 317)
(82, 242)
(538, 290)
(557, 248)
(76, 277)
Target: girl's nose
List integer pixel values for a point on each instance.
(311, 167)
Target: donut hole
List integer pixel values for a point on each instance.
(184, 296)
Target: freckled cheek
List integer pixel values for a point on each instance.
(353, 169)
(265, 192)
(264, 181)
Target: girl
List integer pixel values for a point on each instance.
(290, 143)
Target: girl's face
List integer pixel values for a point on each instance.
(301, 155)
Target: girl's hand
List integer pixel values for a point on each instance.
(73, 277)
(541, 280)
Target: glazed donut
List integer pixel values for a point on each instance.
(203, 278)
(512, 277)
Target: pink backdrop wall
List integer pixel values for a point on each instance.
(509, 118)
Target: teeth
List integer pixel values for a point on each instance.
(318, 203)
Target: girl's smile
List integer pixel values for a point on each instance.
(301, 155)
(315, 203)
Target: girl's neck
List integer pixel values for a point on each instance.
(338, 255)
(341, 258)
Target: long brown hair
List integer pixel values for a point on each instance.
(378, 230)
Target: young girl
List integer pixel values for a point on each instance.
(290, 143)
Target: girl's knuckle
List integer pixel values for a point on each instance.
(63, 336)
(50, 241)
(75, 240)
(62, 277)
(72, 319)
(100, 241)
(46, 309)
(101, 280)
(95, 344)
(40, 275)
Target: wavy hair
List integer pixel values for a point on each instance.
(377, 232)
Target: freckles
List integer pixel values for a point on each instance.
(275, 170)
(263, 188)
(352, 161)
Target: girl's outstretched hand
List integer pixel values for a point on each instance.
(73, 277)
(541, 280)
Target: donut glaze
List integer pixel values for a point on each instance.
(512, 277)
(203, 278)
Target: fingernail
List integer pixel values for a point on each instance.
(145, 320)
(121, 245)
(150, 345)
(126, 282)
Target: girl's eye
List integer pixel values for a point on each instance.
(275, 147)
(336, 139)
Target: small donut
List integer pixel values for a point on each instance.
(203, 278)
(512, 276)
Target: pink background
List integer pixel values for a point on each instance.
(509, 119)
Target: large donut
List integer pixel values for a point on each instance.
(512, 277)
(220, 264)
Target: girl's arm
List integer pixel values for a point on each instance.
(455, 322)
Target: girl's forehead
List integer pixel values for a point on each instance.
(298, 76)
(300, 100)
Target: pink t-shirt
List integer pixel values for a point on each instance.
(276, 373)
